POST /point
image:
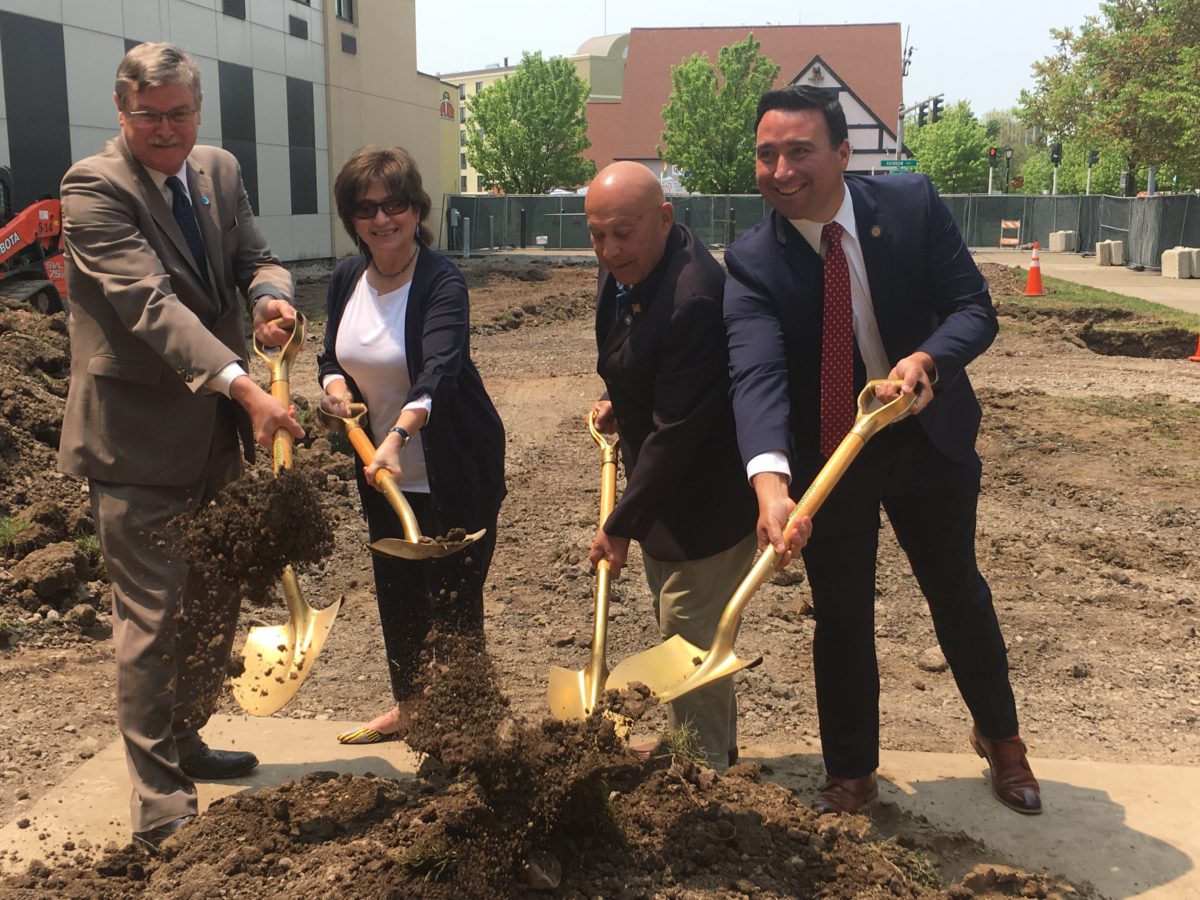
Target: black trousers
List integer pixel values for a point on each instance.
(415, 595)
(931, 503)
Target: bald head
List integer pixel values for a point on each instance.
(629, 220)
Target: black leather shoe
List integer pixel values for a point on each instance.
(207, 764)
(151, 840)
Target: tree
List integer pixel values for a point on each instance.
(1125, 83)
(525, 132)
(952, 152)
(709, 118)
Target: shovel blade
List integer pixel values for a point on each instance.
(713, 669)
(276, 659)
(431, 549)
(660, 668)
(568, 694)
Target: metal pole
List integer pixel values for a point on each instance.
(466, 237)
(899, 130)
(1054, 184)
(491, 232)
(991, 176)
(1087, 190)
(731, 228)
(1151, 180)
(524, 241)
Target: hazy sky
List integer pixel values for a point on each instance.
(982, 52)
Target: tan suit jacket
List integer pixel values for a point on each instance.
(146, 332)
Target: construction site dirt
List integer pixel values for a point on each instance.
(1087, 527)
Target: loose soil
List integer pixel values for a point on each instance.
(1087, 523)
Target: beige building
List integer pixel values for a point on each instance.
(377, 96)
(599, 61)
(291, 88)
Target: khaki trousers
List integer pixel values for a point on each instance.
(689, 598)
(170, 637)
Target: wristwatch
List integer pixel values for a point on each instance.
(405, 437)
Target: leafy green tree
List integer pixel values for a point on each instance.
(709, 118)
(1125, 83)
(525, 132)
(953, 151)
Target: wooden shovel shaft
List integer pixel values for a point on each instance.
(395, 497)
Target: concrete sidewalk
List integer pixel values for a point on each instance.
(1178, 293)
(1128, 829)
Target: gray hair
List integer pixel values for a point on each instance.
(157, 65)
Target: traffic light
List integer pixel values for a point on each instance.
(935, 113)
(1093, 157)
(1055, 154)
(993, 157)
(921, 115)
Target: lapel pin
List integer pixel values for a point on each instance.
(204, 201)
(876, 231)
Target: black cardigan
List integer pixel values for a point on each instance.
(464, 438)
(667, 373)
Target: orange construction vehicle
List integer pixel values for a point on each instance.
(32, 268)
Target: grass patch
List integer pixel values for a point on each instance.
(1169, 418)
(11, 529)
(1068, 296)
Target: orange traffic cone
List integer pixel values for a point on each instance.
(1196, 358)
(1033, 287)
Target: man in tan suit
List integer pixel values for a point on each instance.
(159, 237)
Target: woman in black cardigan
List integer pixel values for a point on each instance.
(397, 339)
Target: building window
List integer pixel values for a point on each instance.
(478, 184)
(234, 8)
(344, 9)
(462, 139)
(349, 43)
(462, 160)
(478, 86)
(462, 114)
(462, 183)
(462, 92)
(305, 2)
(298, 27)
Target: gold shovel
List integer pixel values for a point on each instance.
(413, 545)
(277, 659)
(677, 667)
(575, 694)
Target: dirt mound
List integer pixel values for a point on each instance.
(504, 808)
(242, 539)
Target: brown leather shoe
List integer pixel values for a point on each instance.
(1012, 779)
(842, 796)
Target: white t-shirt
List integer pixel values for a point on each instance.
(370, 349)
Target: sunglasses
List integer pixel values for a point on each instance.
(391, 206)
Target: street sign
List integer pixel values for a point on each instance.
(899, 163)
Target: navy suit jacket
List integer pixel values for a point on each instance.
(926, 291)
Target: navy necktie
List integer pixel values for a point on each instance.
(181, 208)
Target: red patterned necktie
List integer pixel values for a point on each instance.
(837, 344)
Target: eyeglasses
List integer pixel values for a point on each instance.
(391, 206)
(148, 118)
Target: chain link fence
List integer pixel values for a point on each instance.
(1147, 225)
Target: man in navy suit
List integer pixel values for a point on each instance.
(920, 313)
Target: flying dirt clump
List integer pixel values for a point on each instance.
(243, 538)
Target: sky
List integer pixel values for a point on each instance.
(982, 54)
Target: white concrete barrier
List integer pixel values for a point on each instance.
(1177, 263)
(1104, 253)
(1063, 242)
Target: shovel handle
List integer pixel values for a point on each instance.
(384, 480)
(279, 365)
(866, 425)
(597, 670)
